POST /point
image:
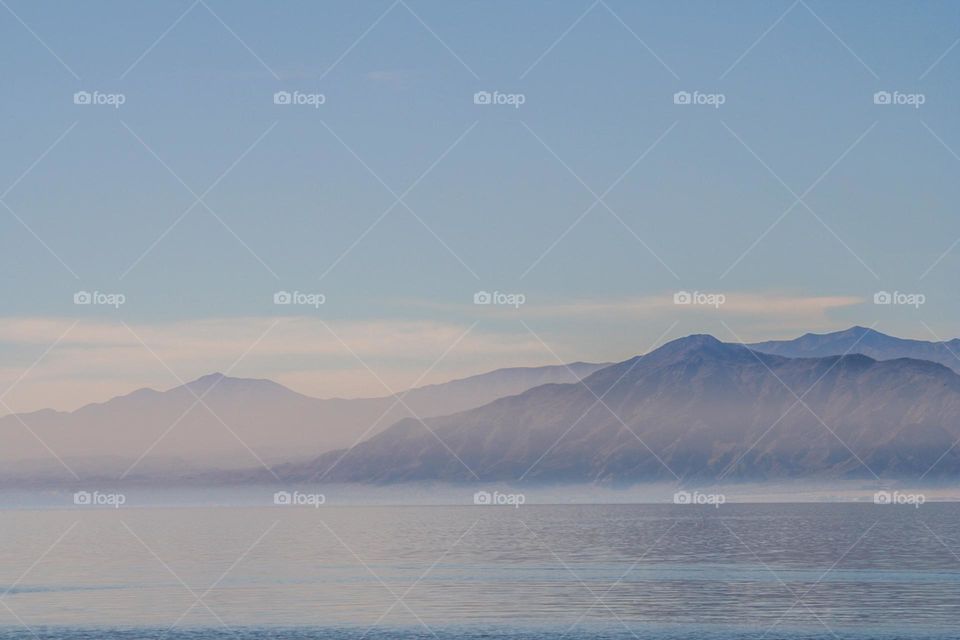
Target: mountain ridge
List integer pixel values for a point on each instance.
(695, 407)
(865, 340)
(249, 418)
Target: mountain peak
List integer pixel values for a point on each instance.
(700, 340)
(206, 381)
(693, 343)
(865, 340)
(856, 332)
(860, 332)
(216, 376)
(698, 345)
(222, 381)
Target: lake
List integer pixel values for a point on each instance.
(740, 571)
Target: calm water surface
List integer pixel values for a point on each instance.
(612, 571)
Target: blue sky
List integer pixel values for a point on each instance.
(497, 195)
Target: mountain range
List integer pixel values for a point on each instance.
(219, 422)
(867, 341)
(850, 404)
(695, 408)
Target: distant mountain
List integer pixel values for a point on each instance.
(871, 343)
(176, 434)
(474, 391)
(695, 408)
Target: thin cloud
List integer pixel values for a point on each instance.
(792, 310)
(790, 307)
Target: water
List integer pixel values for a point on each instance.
(594, 571)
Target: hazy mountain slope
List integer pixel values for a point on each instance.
(701, 406)
(457, 395)
(871, 343)
(177, 433)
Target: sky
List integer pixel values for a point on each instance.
(588, 192)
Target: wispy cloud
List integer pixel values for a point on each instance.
(789, 310)
(792, 308)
